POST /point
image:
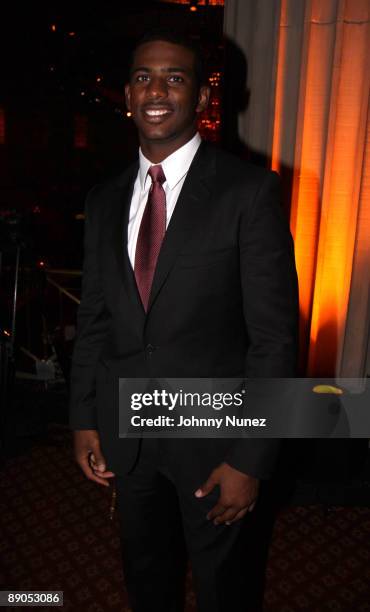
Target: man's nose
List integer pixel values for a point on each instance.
(157, 87)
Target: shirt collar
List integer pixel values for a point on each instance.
(175, 166)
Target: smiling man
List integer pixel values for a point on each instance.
(165, 97)
(188, 273)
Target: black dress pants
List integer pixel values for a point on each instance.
(162, 522)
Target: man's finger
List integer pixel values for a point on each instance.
(97, 479)
(106, 474)
(98, 468)
(241, 514)
(87, 470)
(98, 462)
(206, 487)
(226, 517)
(217, 510)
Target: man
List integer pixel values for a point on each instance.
(189, 272)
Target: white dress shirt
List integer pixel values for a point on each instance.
(175, 168)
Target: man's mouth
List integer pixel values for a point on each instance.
(156, 114)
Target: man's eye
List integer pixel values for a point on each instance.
(142, 77)
(175, 78)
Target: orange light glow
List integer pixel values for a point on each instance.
(53, 27)
(330, 166)
(310, 159)
(340, 198)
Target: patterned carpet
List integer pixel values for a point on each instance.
(56, 535)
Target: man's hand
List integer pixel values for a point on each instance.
(89, 456)
(239, 493)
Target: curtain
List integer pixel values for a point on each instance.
(308, 114)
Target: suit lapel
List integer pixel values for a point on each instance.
(189, 210)
(119, 242)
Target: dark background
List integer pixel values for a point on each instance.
(65, 129)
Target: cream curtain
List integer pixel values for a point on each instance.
(309, 77)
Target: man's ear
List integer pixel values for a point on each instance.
(203, 98)
(128, 97)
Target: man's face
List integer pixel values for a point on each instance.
(163, 96)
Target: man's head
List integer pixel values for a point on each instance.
(165, 93)
(175, 38)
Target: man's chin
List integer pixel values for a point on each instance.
(158, 136)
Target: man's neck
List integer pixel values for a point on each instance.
(156, 152)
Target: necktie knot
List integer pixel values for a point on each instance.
(156, 174)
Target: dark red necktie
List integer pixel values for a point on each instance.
(151, 234)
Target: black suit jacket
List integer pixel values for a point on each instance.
(223, 304)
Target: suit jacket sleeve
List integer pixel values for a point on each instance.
(270, 302)
(91, 326)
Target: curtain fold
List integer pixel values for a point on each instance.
(319, 84)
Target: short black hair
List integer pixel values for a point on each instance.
(176, 38)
